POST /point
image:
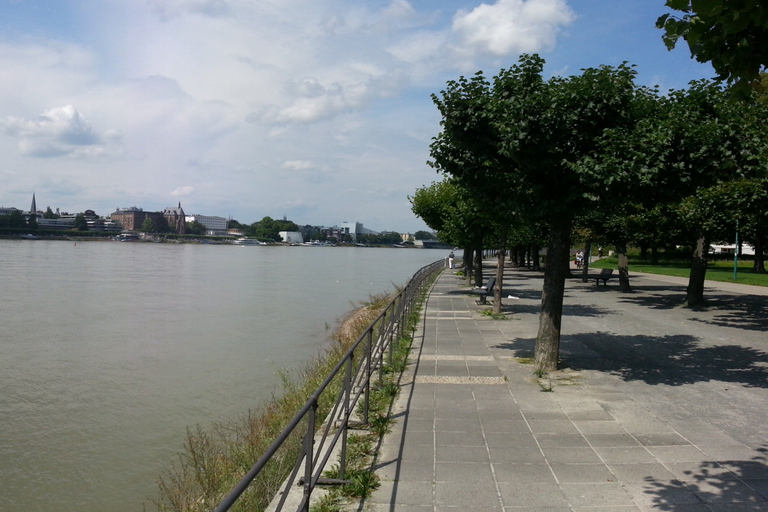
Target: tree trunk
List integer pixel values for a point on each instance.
(759, 267)
(621, 251)
(497, 291)
(654, 253)
(585, 269)
(643, 251)
(548, 339)
(695, 293)
(536, 258)
(479, 266)
(467, 263)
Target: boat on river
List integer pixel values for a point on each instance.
(248, 241)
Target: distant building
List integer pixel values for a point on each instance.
(214, 226)
(354, 229)
(131, 219)
(7, 211)
(102, 225)
(291, 237)
(176, 219)
(62, 223)
(746, 249)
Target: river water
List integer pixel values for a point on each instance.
(109, 351)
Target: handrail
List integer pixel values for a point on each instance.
(377, 341)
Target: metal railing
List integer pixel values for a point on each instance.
(364, 359)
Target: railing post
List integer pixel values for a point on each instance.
(309, 441)
(382, 341)
(369, 354)
(391, 334)
(345, 424)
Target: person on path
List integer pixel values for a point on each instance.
(450, 260)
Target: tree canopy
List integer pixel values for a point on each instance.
(513, 143)
(731, 34)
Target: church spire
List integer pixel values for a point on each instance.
(33, 208)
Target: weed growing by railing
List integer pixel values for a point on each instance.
(362, 452)
(214, 459)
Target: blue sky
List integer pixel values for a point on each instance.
(318, 110)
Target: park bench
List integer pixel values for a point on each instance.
(604, 276)
(485, 290)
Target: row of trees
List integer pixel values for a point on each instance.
(265, 229)
(529, 162)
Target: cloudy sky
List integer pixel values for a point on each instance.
(318, 110)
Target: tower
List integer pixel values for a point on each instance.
(33, 208)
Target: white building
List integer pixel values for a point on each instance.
(214, 226)
(291, 237)
(63, 223)
(746, 249)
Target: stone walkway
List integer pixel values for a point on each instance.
(657, 407)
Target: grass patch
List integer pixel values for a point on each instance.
(718, 270)
(491, 314)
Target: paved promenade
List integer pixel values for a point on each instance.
(656, 407)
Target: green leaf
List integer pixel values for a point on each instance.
(679, 5)
(707, 7)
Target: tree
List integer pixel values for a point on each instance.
(32, 221)
(731, 34)
(49, 214)
(148, 226)
(15, 219)
(423, 235)
(469, 149)
(704, 147)
(195, 228)
(515, 143)
(81, 224)
(269, 228)
(448, 209)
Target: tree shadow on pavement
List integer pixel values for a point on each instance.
(726, 485)
(654, 297)
(672, 360)
(738, 311)
(725, 310)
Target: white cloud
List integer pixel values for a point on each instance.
(60, 131)
(297, 165)
(399, 9)
(513, 26)
(185, 191)
(308, 101)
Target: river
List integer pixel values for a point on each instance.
(109, 351)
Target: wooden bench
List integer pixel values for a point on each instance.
(604, 276)
(486, 290)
